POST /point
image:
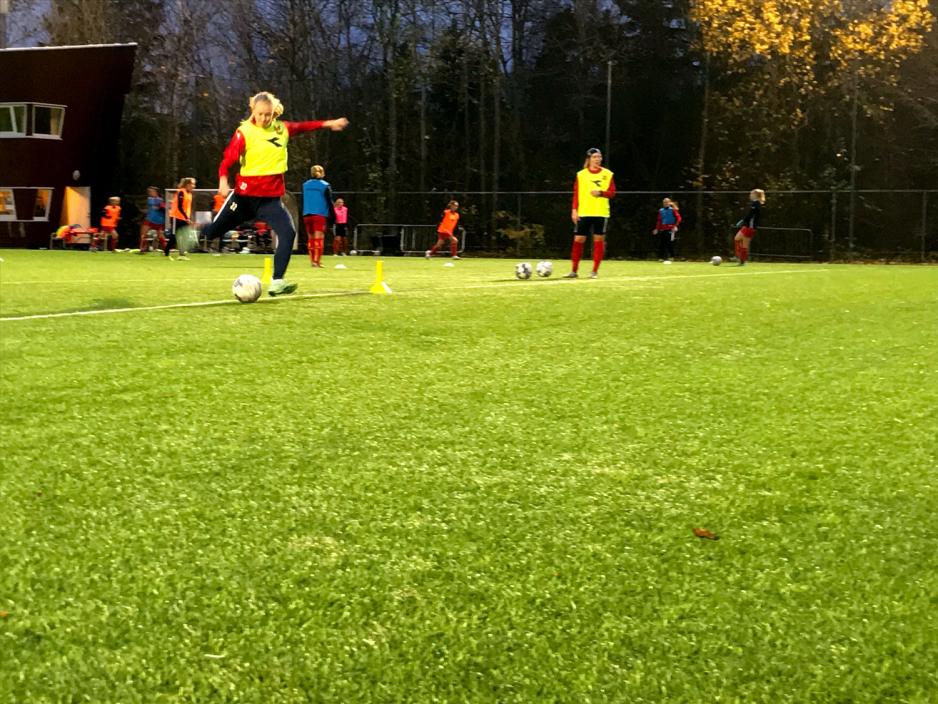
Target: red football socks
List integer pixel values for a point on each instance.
(576, 255)
(599, 248)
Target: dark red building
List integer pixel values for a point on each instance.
(60, 117)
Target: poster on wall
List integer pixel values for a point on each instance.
(7, 205)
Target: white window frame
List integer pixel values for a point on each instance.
(43, 135)
(19, 129)
(9, 216)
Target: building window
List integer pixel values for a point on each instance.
(41, 209)
(7, 205)
(12, 120)
(47, 121)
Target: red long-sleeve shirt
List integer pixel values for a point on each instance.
(660, 226)
(270, 185)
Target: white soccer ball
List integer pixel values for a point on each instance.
(353, 253)
(716, 261)
(544, 269)
(523, 270)
(246, 288)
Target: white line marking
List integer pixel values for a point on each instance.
(339, 294)
(168, 306)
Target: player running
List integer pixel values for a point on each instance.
(446, 230)
(154, 220)
(593, 188)
(260, 145)
(748, 225)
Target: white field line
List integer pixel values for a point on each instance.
(69, 282)
(424, 291)
(168, 306)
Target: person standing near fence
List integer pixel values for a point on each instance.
(180, 215)
(340, 233)
(317, 209)
(260, 145)
(593, 188)
(155, 220)
(446, 230)
(666, 229)
(748, 225)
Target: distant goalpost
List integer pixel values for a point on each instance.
(783, 243)
(398, 238)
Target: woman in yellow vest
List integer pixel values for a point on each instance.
(180, 215)
(593, 189)
(260, 146)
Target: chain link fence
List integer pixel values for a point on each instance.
(896, 225)
(797, 225)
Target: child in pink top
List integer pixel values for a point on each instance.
(340, 238)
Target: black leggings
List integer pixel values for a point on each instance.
(174, 225)
(665, 244)
(238, 209)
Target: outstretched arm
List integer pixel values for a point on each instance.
(230, 157)
(336, 125)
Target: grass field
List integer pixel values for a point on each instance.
(476, 489)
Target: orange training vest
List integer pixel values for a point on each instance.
(186, 213)
(112, 213)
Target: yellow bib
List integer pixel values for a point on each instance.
(589, 205)
(265, 151)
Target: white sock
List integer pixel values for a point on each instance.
(276, 281)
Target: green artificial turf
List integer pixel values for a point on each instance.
(476, 489)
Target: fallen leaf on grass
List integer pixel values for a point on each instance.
(704, 533)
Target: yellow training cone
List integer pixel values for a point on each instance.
(379, 287)
(268, 274)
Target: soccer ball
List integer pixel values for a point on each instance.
(523, 270)
(246, 288)
(544, 269)
(353, 253)
(716, 261)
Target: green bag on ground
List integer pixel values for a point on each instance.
(187, 239)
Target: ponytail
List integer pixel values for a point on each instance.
(265, 97)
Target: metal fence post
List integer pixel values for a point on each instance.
(830, 254)
(924, 223)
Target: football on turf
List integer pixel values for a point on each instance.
(544, 269)
(716, 261)
(523, 270)
(246, 288)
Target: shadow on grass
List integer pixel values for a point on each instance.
(104, 304)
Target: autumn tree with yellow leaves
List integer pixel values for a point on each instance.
(787, 68)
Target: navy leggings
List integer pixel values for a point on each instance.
(238, 209)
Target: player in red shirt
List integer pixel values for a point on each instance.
(446, 230)
(259, 145)
(593, 188)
